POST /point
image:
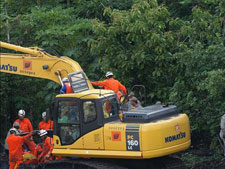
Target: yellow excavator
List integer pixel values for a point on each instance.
(87, 122)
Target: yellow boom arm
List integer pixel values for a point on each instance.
(36, 63)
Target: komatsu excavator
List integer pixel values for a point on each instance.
(87, 122)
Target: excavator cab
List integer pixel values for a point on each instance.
(76, 115)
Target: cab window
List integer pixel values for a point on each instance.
(68, 121)
(90, 113)
(110, 108)
(68, 112)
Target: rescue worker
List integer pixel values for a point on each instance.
(26, 127)
(222, 132)
(25, 124)
(16, 126)
(15, 148)
(66, 88)
(111, 84)
(47, 147)
(130, 96)
(45, 124)
(107, 108)
(134, 104)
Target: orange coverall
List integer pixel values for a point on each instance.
(46, 126)
(26, 126)
(16, 150)
(112, 84)
(46, 150)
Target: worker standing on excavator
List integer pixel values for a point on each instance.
(15, 148)
(66, 88)
(25, 126)
(111, 84)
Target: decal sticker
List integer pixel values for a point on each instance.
(179, 136)
(177, 127)
(116, 136)
(8, 67)
(132, 138)
(27, 65)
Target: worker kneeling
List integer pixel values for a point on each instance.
(47, 147)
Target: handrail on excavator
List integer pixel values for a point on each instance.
(33, 52)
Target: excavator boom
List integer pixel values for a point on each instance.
(36, 63)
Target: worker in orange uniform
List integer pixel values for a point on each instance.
(45, 124)
(47, 147)
(25, 124)
(26, 127)
(15, 148)
(111, 84)
(66, 88)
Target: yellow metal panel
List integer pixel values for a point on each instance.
(89, 94)
(94, 139)
(166, 151)
(97, 153)
(165, 133)
(114, 136)
(78, 144)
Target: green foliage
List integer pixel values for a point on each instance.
(198, 87)
(174, 48)
(95, 9)
(172, 57)
(191, 160)
(135, 40)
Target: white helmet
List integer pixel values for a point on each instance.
(42, 133)
(65, 79)
(13, 130)
(43, 114)
(108, 74)
(21, 113)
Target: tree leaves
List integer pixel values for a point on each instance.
(174, 48)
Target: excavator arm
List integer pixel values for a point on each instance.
(36, 63)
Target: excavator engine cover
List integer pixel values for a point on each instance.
(149, 113)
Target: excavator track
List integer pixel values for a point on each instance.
(157, 163)
(167, 162)
(74, 164)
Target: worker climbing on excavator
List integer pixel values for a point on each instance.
(111, 84)
(66, 88)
